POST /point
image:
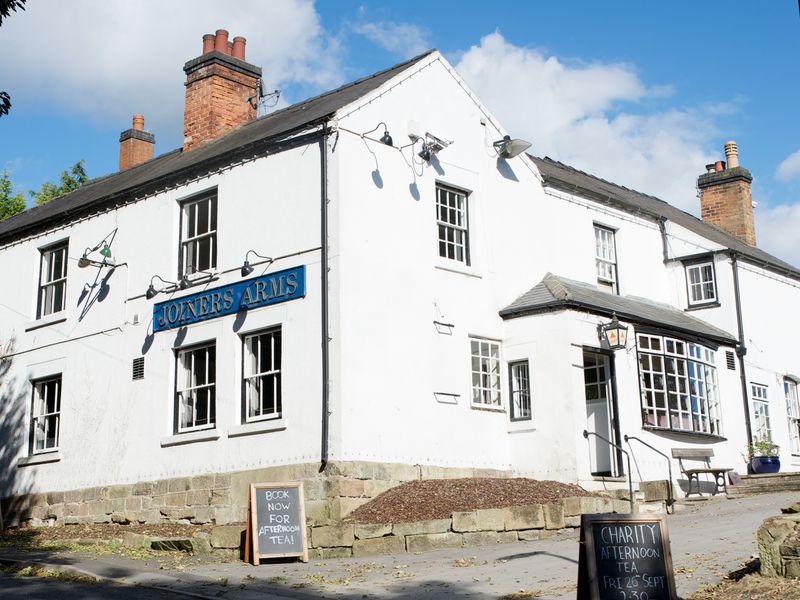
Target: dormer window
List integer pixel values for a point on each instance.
(701, 283)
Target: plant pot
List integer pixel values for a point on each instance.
(765, 464)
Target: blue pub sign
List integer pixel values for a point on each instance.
(272, 288)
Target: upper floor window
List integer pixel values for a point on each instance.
(199, 234)
(519, 379)
(262, 375)
(46, 414)
(605, 254)
(701, 284)
(451, 217)
(678, 382)
(762, 431)
(52, 280)
(485, 372)
(195, 388)
(793, 414)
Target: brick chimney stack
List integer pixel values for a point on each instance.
(219, 84)
(135, 145)
(725, 197)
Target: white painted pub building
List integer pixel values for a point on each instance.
(375, 284)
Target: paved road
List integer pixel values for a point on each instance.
(708, 540)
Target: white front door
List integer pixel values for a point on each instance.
(597, 384)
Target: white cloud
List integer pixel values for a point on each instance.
(112, 58)
(776, 231)
(593, 116)
(790, 168)
(401, 39)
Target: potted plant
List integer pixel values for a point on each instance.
(764, 456)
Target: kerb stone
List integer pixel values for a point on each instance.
(330, 536)
(523, 517)
(579, 505)
(490, 519)
(379, 546)
(418, 527)
(553, 516)
(364, 531)
(654, 490)
(227, 536)
(489, 538)
(426, 542)
(465, 521)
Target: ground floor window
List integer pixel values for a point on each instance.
(262, 375)
(678, 381)
(520, 390)
(761, 428)
(485, 372)
(793, 414)
(46, 416)
(196, 387)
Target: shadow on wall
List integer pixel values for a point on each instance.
(13, 437)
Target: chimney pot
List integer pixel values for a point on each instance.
(221, 41)
(732, 154)
(238, 47)
(208, 43)
(138, 122)
(719, 166)
(710, 168)
(230, 48)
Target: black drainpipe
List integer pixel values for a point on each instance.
(741, 349)
(323, 151)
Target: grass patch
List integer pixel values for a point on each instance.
(37, 571)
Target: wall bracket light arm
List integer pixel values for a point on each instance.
(152, 291)
(248, 267)
(385, 138)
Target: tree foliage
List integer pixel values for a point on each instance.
(10, 203)
(69, 180)
(6, 8)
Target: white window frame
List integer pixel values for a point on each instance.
(452, 221)
(759, 398)
(52, 296)
(605, 256)
(792, 414)
(485, 373)
(678, 384)
(255, 382)
(192, 239)
(704, 289)
(191, 383)
(519, 381)
(44, 418)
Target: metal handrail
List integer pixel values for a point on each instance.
(586, 434)
(671, 499)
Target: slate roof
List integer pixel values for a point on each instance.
(554, 293)
(176, 164)
(566, 178)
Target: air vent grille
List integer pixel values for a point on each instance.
(729, 360)
(138, 368)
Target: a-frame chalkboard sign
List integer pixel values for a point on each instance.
(625, 557)
(276, 522)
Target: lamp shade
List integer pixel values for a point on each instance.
(615, 334)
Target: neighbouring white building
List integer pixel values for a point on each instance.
(369, 287)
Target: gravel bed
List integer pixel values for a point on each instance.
(99, 532)
(439, 498)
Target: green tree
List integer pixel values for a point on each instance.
(6, 7)
(10, 203)
(69, 180)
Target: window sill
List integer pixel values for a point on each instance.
(51, 319)
(529, 429)
(484, 408)
(461, 270)
(258, 427)
(204, 435)
(39, 459)
(692, 307)
(690, 434)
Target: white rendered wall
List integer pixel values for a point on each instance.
(112, 428)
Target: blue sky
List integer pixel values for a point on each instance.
(642, 93)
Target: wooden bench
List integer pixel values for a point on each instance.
(704, 455)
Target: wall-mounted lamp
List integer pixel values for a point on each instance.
(508, 148)
(425, 153)
(152, 291)
(385, 138)
(247, 268)
(84, 261)
(615, 334)
(431, 145)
